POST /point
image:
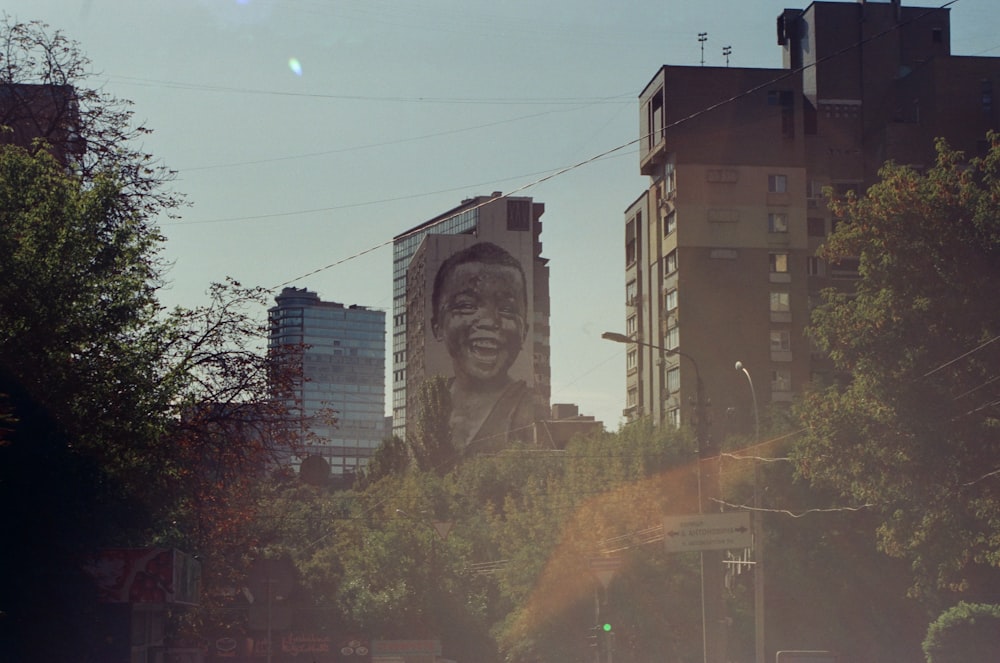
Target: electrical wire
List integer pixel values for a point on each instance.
(696, 114)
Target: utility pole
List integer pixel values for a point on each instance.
(713, 608)
(727, 51)
(702, 38)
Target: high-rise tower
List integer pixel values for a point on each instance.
(721, 257)
(511, 222)
(342, 391)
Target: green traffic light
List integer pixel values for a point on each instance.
(606, 628)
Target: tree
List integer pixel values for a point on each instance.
(965, 632)
(78, 368)
(430, 441)
(390, 459)
(120, 424)
(45, 93)
(229, 425)
(914, 432)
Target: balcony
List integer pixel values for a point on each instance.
(653, 154)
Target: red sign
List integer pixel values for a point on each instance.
(145, 575)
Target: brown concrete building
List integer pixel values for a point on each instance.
(720, 250)
(47, 112)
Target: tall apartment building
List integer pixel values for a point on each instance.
(510, 222)
(343, 373)
(721, 249)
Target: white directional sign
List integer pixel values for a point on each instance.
(710, 531)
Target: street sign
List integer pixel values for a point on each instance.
(710, 531)
(604, 568)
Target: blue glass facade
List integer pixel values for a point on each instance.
(343, 367)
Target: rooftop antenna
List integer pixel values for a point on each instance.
(726, 51)
(702, 38)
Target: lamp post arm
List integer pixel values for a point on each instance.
(622, 338)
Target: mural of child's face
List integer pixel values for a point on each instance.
(481, 319)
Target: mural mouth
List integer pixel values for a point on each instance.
(485, 349)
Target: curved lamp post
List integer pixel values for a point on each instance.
(758, 539)
(713, 622)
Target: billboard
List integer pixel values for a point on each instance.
(469, 315)
(145, 575)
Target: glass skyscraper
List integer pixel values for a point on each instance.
(342, 391)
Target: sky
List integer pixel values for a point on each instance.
(306, 134)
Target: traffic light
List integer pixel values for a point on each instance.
(594, 636)
(606, 628)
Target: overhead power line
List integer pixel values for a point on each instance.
(490, 101)
(703, 111)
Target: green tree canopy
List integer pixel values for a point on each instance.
(966, 632)
(914, 432)
(121, 425)
(78, 378)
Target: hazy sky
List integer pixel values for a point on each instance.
(305, 132)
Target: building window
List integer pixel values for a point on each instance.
(631, 245)
(816, 227)
(781, 340)
(777, 183)
(778, 263)
(631, 360)
(633, 397)
(937, 35)
(631, 292)
(779, 302)
(672, 262)
(845, 268)
(779, 97)
(631, 325)
(673, 337)
(518, 215)
(814, 266)
(670, 223)
(781, 380)
(785, 100)
(674, 380)
(670, 300)
(656, 122)
(777, 223)
(674, 417)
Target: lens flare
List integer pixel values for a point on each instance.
(295, 66)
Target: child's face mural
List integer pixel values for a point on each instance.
(481, 319)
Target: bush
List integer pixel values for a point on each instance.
(965, 633)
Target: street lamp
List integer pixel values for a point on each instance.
(712, 608)
(758, 531)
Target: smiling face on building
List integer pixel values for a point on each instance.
(479, 303)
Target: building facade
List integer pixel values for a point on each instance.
(721, 248)
(50, 112)
(341, 394)
(510, 222)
